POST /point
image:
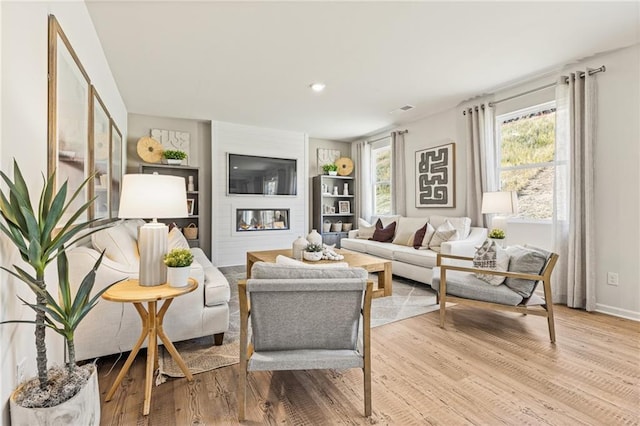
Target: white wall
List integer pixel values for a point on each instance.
(230, 247)
(23, 136)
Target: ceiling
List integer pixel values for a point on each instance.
(252, 62)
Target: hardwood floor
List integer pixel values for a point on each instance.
(485, 368)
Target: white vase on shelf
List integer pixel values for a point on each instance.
(314, 237)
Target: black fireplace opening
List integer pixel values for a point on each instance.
(248, 220)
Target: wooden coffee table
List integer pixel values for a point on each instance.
(354, 259)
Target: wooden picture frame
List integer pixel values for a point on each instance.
(69, 91)
(116, 168)
(100, 155)
(191, 202)
(436, 176)
(344, 207)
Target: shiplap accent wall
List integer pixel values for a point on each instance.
(230, 247)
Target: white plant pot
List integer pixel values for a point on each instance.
(171, 161)
(82, 409)
(178, 277)
(333, 173)
(312, 256)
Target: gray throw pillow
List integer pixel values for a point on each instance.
(527, 261)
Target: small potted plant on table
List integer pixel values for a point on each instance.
(498, 236)
(313, 252)
(331, 169)
(171, 156)
(178, 263)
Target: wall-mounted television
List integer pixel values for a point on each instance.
(254, 175)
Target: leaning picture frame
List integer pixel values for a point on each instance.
(344, 207)
(100, 155)
(191, 206)
(116, 168)
(68, 118)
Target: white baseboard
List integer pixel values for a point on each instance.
(617, 312)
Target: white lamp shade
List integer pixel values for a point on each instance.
(505, 202)
(152, 196)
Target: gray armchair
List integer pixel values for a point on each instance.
(459, 284)
(304, 318)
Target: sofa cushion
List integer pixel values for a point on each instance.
(467, 285)
(384, 234)
(264, 270)
(462, 224)
(356, 244)
(423, 236)
(365, 229)
(406, 228)
(120, 242)
(176, 240)
(423, 258)
(383, 250)
(445, 232)
(528, 261)
(284, 260)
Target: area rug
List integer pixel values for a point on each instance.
(409, 299)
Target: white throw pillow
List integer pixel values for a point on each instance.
(491, 256)
(445, 232)
(462, 224)
(365, 229)
(177, 239)
(406, 228)
(119, 244)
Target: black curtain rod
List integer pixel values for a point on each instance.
(565, 79)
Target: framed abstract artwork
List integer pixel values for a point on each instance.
(436, 176)
(68, 131)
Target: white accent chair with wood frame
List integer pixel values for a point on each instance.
(304, 318)
(458, 284)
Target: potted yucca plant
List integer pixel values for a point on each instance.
(41, 236)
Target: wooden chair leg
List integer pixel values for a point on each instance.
(242, 391)
(367, 390)
(442, 291)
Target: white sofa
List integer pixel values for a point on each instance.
(115, 327)
(416, 264)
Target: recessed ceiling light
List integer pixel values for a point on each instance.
(317, 87)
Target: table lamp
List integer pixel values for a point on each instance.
(153, 196)
(499, 203)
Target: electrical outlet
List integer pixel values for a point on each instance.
(612, 278)
(20, 371)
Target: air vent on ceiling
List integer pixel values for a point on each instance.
(403, 108)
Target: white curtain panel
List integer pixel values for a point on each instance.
(482, 168)
(398, 178)
(574, 235)
(361, 153)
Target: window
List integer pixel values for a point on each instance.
(381, 176)
(526, 150)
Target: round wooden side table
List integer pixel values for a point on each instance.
(130, 291)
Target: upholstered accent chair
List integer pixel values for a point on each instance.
(459, 284)
(304, 318)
